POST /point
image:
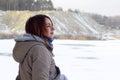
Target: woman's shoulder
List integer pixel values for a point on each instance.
(38, 47)
(35, 43)
(29, 45)
(39, 50)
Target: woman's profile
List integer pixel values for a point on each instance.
(33, 51)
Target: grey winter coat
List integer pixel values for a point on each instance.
(35, 60)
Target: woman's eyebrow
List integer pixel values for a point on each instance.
(49, 24)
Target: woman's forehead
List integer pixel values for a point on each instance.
(48, 21)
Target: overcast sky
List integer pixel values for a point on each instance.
(103, 7)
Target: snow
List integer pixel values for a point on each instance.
(85, 23)
(60, 26)
(77, 59)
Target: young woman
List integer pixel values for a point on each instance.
(33, 51)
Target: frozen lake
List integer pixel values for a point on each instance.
(78, 60)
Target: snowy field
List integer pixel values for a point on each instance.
(78, 60)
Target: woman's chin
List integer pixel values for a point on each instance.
(51, 36)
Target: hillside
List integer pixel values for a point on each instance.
(66, 23)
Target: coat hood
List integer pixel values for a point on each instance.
(23, 45)
(29, 37)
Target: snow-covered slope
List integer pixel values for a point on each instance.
(65, 22)
(74, 23)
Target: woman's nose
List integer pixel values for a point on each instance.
(53, 28)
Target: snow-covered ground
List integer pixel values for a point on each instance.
(78, 60)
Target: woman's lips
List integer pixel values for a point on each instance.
(52, 33)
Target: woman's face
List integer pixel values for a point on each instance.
(49, 28)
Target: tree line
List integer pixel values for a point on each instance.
(107, 22)
(32, 5)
